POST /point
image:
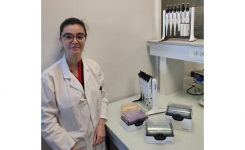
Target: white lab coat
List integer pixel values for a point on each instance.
(69, 113)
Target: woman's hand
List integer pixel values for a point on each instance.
(99, 133)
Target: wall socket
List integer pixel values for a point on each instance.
(196, 54)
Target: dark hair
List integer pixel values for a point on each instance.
(72, 21)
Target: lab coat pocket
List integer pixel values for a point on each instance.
(71, 115)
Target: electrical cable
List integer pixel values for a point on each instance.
(192, 93)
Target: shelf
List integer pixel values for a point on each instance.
(180, 42)
(180, 49)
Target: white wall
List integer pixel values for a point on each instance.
(192, 66)
(117, 36)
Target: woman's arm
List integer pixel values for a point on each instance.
(103, 113)
(100, 133)
(52, 132)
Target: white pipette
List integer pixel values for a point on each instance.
(167, 14)
(171, 18)
(174, 19)
(178, 17)
(183, 13)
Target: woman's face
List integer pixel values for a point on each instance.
(73, 39)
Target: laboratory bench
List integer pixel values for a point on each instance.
(124, 140)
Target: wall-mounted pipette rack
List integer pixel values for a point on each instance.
(148, 90)
(183, 18)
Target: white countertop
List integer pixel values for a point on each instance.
(183, 140)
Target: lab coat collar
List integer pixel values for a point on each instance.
(68, 75)
(65, 69)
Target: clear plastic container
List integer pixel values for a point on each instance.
(199, 85)
(133, 116)
(181, 110)
(128, 106)
(157, 126)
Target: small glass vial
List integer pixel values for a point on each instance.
(199, 86)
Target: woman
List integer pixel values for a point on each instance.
(74, 103)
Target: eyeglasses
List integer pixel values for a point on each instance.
(69, 37)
